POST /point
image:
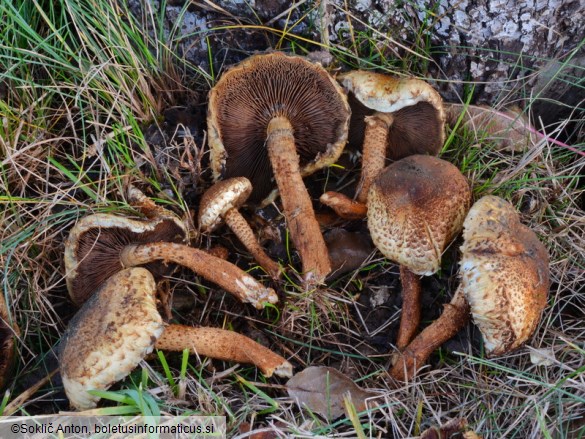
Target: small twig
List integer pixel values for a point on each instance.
(17, 402)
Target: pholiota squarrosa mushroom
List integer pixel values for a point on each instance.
(220, 203)
(280, 117)
(407, 118)
(119, 325)
(504, 284)
(101, 245)
(392, 118)
(416, 206)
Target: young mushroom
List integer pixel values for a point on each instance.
(221, 202)
(8, 331)
(280, 116)
(101, 245)
(119, 325)
(416, 206)
(504, 282)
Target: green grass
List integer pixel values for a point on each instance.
(82, 83)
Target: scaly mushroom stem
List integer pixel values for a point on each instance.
(374, 151)
(214, 269)
(455, 316)
(344, 206)
(238, 224)
(298, 209)
(223, 345)
(410, 316)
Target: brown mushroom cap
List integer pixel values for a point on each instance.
(110, 335)
(119, 324)
(249, 95)
(416, 206)
(220, 198)
(92, 250)
(8, 331)
(418, 117)
(505, 274)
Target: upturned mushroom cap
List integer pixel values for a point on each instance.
(249, 95)
(505, 274)
(416, 206)
(221, 197)
(109, 336)
(92, 250)
(417, 109)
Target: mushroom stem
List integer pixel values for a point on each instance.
(374, 151)
(410, 316)
(238, 224)
(344, 206)
(298, 209)
(454, 317)
(223, 345)
(212, 268)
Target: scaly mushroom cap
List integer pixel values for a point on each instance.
(505, 274)
(416, 107)
(250, 94)
(7, 333)
(221, 197)
(92, 250)
(109, 336)
(416, 206)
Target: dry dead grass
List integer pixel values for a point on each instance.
(68, 146)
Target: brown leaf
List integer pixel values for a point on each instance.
(321, 390)
(445, 431)
(509, 128)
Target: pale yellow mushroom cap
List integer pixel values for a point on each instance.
(221, 197)
(109, 336)
(416, 206)
(416, 109)
(388, 94)
(505, 274)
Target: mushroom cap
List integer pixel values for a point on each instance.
(92, 250)
(505, 274)
(111, 333)
(221, 197)
(416, 107)
(8, 330)
(250, 94)
(416, 206)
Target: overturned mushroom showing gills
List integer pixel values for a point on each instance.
(282, 114)
(416, 206)
(101, 245)
(404, 116)
(221, 202)
(8, 332)
(119, 325)
(504, 283)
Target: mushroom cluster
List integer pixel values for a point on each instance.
(273, 120)
(111, 264)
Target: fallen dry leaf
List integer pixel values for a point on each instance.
(322, 389)
(509, 128)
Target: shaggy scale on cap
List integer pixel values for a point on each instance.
(504, 273)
